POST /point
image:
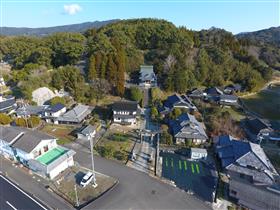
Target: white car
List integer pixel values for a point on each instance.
(87, 179)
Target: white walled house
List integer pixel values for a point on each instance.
(52, 113)
(198, 153)
(125, 112)
(36, 150)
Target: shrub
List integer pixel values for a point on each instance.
(119, 155)
(106, 151)
(154, 113)
(57, 100)
(166, 138)
(21, 122)
(119, 137)
(33, 121)
(135, 94)
(5, 119)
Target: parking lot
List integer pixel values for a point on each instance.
(194, 176)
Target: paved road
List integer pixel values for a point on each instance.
(32, 184)
(146, 150)
(136, 190)
(12, 197)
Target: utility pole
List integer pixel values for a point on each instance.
(157, 153)
(92, 162)
(76, 194)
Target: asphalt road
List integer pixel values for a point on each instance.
(136, 190)
(12, 197)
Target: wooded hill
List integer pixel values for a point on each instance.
(183, 59)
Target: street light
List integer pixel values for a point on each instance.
(92, 161)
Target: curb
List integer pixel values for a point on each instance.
(37, 198)
(94, 199)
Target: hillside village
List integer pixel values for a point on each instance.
(199, 136)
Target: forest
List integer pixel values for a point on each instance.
(182, 58)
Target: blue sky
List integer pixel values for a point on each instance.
(233, 15)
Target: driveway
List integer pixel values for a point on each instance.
(136, 190)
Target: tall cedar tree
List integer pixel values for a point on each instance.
(120, 62)
(111, 70)
(98, 62)
(102, 73)
(92, 74)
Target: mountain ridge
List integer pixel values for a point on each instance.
(264, 36)
(45, 31)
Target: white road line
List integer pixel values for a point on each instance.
(23, 192)
(7, 202)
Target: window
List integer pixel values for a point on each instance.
(233, 192)
(46, 148)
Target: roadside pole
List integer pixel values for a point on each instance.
(92, 162)
(157, 153)
(76, 194)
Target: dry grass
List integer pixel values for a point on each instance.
(65, 186)
(62, 132)
(120, 148)
(266, 103)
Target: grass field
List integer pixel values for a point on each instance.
(62, 132)
(265, 103)
(234, 112)
(116, 145)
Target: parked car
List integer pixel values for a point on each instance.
(87, 178)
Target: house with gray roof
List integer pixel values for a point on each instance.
(228, 99)
(245, 159)
(252, 176)
(7, 103)
(233, 88)
(261, 132)
(76, 115)
(30, 110)
(147, 76)
(86, 132)
(176, 101)
(196, 93)
(36, 150)
(187, 128)
(256, 197)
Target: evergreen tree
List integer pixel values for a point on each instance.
(120, 74)
(111, 70)
(92, 68)
(98, 61)
(102, 73)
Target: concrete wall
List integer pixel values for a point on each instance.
(61, 167)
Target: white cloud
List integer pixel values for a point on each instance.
(72, 9)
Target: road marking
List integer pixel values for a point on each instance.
(172, 162)
(23, 192)
(166, 162)
(197, 168)
(180, 166)
(185, 163)
(7, 202)
(192, 168)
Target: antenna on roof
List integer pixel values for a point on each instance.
(24, 112)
